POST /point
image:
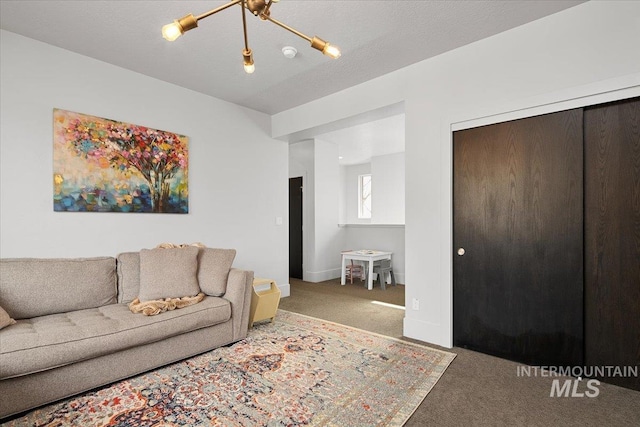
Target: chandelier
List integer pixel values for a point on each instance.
(259, 8)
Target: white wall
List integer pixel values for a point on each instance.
(350, 188)
(583, 55)
(328, 236)
(387, 189)
(385, 230)
(322, 240)
(326, 187)
(342, 195)
(237, 172)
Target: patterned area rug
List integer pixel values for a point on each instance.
(296, 371)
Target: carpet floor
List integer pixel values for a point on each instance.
(477, 389)
(296, 371)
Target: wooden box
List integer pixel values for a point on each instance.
(264, 303)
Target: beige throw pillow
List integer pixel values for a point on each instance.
(213, 270)
(168, 273)
(5, 319)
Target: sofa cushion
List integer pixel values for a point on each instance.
(5, 319)
(31, 287)
(213, 269)
(168, 273)
(42, 343)
(128, 268)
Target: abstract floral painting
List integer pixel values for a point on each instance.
(101, 165)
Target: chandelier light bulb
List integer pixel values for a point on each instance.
(247, 57)
(178, 27)
(171, 31)
(332, 51)
(325, 47)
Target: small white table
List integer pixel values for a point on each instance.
(363, 255)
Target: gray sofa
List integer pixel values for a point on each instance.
(74, 330)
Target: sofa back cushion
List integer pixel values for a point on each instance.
(213, 270)
(128, 267)
(31, 287)
(168, 273)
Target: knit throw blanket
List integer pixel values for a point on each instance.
(150, 308)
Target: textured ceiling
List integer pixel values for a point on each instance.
(376, 37)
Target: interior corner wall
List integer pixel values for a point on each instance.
(583, 55)
(351, 188)
(342, 195)
(237, 172)
(387, 189)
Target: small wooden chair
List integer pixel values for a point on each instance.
(354, 270)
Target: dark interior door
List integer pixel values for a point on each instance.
(612, 237)
(295, 227)
(518, 215)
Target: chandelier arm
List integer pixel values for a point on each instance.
(244, 24)
(266, 9)
(259, 8)
(286, 27)
(218, 9)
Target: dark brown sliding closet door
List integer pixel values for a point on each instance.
(518, 205)
(612, 237)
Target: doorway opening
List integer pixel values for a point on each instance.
(295, 227)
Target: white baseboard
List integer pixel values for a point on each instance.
(321, 276)
(426, 331)
(285, 290)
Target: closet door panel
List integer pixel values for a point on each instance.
(518, 216)
(612, 237)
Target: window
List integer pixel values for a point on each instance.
(364, 196)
